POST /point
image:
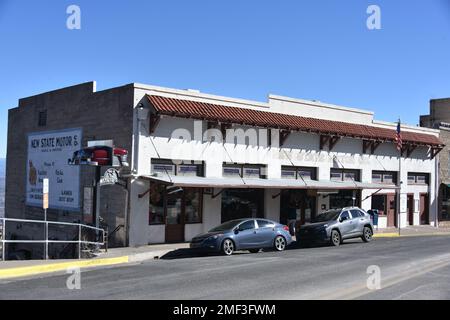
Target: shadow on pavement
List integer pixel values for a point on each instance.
(195, 253)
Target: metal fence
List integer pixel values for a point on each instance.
(35, 239)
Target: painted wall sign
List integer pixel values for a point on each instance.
(48, 154)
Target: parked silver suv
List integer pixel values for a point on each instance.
(334, 226)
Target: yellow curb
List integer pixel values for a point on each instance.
(385, 235)
(393, 235)
(46, 268)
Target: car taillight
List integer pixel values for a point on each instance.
(286, 228)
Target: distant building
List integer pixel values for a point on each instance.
(197, 160)
(439, 118)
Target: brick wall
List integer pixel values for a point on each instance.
(102, 115)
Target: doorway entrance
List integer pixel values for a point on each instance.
(424, 209)
(410, 205)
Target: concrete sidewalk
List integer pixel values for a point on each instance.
(114, 256)
(410, 231)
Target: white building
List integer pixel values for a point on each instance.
(284, 157)
(198, 159)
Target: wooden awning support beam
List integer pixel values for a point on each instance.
(323, 139)
(409, 149)
(332, 140)
(284, 134)
(154, 120)
(434, 151)
(372, 144)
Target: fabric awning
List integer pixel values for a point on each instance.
(202, 182)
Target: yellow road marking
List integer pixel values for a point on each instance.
(45, 268)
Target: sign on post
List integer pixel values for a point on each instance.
(45, 193)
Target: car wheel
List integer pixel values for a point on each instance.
(254, 250)
(335, 238)
(367, 234)
(280, 243)
(228, 247)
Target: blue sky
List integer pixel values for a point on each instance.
(317, 49)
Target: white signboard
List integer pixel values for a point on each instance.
(48, 154)
(403, 202)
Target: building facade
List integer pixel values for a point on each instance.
(439, 118)
(197, 160)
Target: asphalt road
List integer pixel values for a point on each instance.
(410, 268)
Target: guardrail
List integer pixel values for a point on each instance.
(94, 237)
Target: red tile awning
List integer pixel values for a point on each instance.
(213, 112)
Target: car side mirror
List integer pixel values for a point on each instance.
(236, 231)
(342, 219)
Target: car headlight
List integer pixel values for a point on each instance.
(216, 236)
(325, 225)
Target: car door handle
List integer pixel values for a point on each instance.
(254, 232)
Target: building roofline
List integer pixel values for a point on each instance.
(318, 104)
(200, 95)
(406, 126)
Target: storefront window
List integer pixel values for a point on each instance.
(156, 213)
(175, 205)
(242, 203)
(344, 198)
(193, 200)
(379, 203)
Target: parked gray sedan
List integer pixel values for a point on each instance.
(244, 234)
(334, 226)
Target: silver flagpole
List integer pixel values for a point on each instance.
(399, 178)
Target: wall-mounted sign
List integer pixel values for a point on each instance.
(403, 202)
(48, 153)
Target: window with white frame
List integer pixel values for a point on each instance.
(344, 174)
(250, 171)
(292, 172)
(180, 168)
(387, 177)
(418, 178)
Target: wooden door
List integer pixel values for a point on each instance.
(174, 217)
(424, 209)
(410, 209)
(391, 210)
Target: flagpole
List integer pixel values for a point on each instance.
(399, 177)
(399, 189)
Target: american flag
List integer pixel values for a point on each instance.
(398, 137)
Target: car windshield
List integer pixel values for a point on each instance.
(327, 216)
(226, 226)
